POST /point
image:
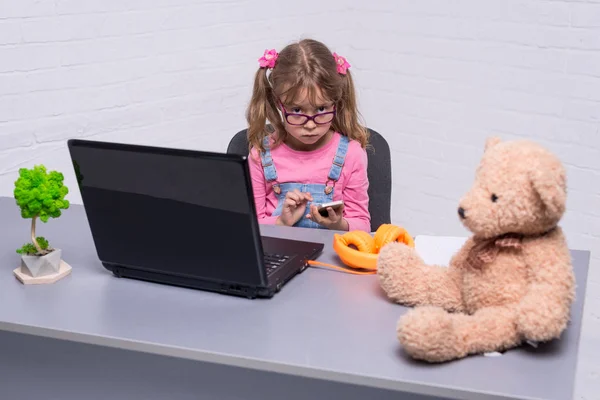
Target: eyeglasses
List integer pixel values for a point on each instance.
(301, 119)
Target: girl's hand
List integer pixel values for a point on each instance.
(334, 219)
(294, 207)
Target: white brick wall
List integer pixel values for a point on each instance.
(435, 77)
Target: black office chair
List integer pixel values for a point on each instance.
(379, 172)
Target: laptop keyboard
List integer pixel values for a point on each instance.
(274, 262)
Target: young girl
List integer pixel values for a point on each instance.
(313, 151)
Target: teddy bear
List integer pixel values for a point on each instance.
(511, 282)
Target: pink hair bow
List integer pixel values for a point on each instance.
(268, 59)
(342, 64)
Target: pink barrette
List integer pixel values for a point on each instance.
(268, 59)
(342, 64)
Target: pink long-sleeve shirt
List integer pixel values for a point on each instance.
(313, 167)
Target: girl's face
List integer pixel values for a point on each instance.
(308, 133)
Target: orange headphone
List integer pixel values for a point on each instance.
(363, 258)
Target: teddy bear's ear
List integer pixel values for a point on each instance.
(548, 179)
(491, 141)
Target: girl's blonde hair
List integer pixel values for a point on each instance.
(307, 65)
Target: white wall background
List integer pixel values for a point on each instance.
(435, 77)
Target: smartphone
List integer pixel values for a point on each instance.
(334, 204)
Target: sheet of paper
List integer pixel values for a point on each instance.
(438, 250)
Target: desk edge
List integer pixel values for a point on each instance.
(254, 364)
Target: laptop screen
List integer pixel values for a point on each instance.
(182, 212)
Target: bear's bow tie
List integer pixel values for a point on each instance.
(485, 251)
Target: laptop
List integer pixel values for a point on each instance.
(181, 217)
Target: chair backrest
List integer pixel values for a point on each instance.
(379, 172)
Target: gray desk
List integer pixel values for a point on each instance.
(325, 335)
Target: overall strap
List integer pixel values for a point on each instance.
(338, 163)
(268, 165)
(339, 159)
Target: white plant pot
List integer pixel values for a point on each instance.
(36, 266)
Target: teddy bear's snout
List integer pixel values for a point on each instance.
(461, 212)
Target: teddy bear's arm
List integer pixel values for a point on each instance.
(407, 280)
(544, 311)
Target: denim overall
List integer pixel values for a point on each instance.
(321, 193)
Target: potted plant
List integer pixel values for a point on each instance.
(40, 195)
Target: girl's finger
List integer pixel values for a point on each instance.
(293, 196)
(315, 216)
(332, 215)
(291, 203)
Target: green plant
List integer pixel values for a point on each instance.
(29, 248)
(40, 194)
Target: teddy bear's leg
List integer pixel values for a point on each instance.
(489, 329)
(407, 280)
(434, 335)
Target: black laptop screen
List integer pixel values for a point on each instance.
(186, 213)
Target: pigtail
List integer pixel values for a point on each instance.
(256, 114)
(348, 118)
(262, 108)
